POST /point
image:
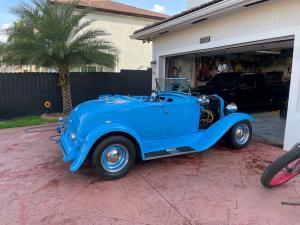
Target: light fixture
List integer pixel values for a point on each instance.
(271, 52)
(199, 21)
(164, 32)
(256, 3)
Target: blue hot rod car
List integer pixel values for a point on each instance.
(113, 130)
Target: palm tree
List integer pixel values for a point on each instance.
(56, 35)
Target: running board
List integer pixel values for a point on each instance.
(169, 153)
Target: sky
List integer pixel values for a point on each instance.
(169, 7)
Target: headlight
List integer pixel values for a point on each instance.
(231, 108)
(72, 136)
(203, 100)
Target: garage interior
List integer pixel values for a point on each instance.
(254, 76)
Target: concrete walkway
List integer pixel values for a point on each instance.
(217, 187)
(268, 127)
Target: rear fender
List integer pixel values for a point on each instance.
(213, 134)
(94, 135)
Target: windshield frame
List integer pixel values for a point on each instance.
(158, 88)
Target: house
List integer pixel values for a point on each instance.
(244, 35)
(23, 69)
(120, 21)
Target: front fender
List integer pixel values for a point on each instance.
(97, 133)
(213, 134)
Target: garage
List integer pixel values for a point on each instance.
(245, 51)
(255, 77)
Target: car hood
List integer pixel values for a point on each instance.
(107, 103)
(88, 114)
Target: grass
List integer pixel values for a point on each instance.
(25, 121)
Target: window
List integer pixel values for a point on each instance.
(248, 82)
(92, 68)
(227, 80)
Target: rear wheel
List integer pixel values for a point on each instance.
(114, 157)
(282, 170)
(240, 134)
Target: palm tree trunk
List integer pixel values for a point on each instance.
(67, 99)
(64, 82)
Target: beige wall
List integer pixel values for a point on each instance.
(269, 16)
(133, 54)
(22, 68)
(276, 18)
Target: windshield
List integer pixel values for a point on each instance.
(173, 85)
(227, 80)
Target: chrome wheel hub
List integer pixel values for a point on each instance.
(242, 134)
(114, 158)
(239, 133)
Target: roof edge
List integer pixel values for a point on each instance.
(215, 7)
(124, 13)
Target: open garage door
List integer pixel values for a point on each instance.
(256, 76)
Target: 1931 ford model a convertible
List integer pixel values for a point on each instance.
(113, 130)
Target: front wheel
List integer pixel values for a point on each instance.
(240, 134)
(283, 169)
(114, 157)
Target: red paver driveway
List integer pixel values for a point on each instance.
(217, 187)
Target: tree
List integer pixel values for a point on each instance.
(2, 46)
(56, 35)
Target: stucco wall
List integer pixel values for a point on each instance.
(277, 18)
(133, 54)
(268, 16)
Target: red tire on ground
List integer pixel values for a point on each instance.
(283, 169)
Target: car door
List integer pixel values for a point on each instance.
(226, 85)
(249, 93)
(176, 118)
(148, 120)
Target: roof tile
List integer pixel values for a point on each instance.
(118, 8)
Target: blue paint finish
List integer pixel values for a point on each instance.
(171, 122)
(212, 135)
(96, 134)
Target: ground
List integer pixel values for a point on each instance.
(26, 121)
(268, 127)
(217, 187)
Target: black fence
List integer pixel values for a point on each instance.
(24, 94)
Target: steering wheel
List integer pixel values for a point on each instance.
(153, 96)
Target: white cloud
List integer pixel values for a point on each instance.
(5, 26)
(3, 36)
(159, 8)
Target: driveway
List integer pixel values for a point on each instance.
(217, 187)
(268, 127)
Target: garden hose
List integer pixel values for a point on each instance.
(44, 128)
(39, 129)
(55, 138)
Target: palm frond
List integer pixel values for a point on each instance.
(53, 34)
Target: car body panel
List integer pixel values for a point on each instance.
(96, 134)
(169, 122)
(199, 141)
(250, 91)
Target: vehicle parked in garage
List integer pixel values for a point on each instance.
(113, 130)
(249, 90)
